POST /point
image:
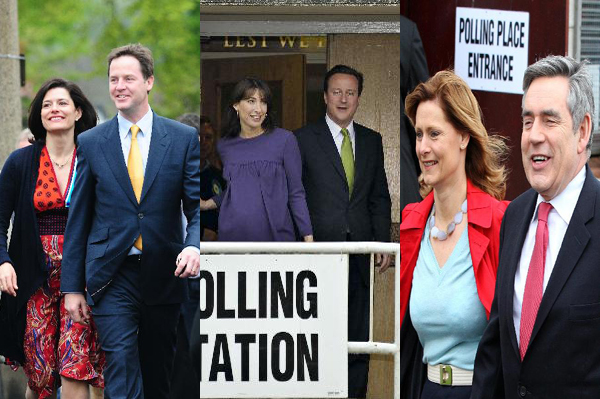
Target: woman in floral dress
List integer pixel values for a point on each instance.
(35, 185)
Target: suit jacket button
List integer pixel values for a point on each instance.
(522, 391)
(141, 215)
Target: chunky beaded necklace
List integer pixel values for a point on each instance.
(442, 235)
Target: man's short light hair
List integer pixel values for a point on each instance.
(136, 50)
(580, 100)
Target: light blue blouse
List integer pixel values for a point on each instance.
(444, 307)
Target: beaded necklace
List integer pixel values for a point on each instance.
(442, 235)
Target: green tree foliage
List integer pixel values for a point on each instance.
(71, 38)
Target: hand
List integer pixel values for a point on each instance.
(8, 279)
(188, 263)
(383, 261)
(76, 306)
(309, 238)
(207, 205)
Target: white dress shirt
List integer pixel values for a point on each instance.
(563, 206)
(338, 137)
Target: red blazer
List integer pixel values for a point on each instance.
(485, 217)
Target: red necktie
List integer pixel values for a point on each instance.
(534, 285)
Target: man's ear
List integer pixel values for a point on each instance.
(585, 131)
(149, 83)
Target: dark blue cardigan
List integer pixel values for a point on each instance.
(17, 185)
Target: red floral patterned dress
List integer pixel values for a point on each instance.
(54, 345)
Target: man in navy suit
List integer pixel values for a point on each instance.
(348, 197)
(124, 243)
(542, 337)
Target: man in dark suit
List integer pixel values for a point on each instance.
(413, 70)
(542, 337)
(348, 198)
(124, 244)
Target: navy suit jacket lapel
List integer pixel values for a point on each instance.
(514, 239)
(573, 245)
(114, 155)
(328, 146)
(158, 149)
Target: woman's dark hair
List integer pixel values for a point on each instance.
(242, 90)
(89, 117)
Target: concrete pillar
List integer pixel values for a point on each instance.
(377, 56)
(10, 101)
(12, 384)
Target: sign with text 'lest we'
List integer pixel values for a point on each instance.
(491, 48)
(273, 326)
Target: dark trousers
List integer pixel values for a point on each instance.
(185, 382)
(189, 308)
(195, 343)
(358, 323)
(138, 339)
(431, 390)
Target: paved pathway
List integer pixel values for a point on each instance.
(12, 384)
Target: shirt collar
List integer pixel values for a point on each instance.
(336, 130)
(145, 125)
(565, 202)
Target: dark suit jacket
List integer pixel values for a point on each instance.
(413, 70)
(563, 357)
(105, 217)
(367, 215)
(17, 185)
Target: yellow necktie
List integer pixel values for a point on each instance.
(348, 159)
(136, 172)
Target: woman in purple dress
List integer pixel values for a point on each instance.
(264, 198)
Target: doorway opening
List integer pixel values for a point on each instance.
(292, 66)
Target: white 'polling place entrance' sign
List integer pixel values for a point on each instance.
(273, 326)
(491, 48)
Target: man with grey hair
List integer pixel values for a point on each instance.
(542, 337)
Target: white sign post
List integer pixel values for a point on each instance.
(491, 48)
(274, 326)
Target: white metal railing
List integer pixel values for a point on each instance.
(357, 247)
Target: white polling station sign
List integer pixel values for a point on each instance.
(491, 48)
(274, 326)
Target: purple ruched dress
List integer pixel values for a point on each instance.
(264, 189)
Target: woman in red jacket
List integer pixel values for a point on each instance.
(449, 241)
